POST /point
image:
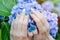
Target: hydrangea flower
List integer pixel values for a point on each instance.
(27, 5)
(48, 5)
(52, 20)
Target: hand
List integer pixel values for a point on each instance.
(19, 27)
(42, 25)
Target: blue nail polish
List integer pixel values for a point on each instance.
(33, 27)
(14, 15)
(30, 30)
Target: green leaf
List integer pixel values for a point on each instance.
(5, 6)
(5, 9)
(5, 31)
(0, 34)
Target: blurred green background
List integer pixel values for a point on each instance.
(5, 8)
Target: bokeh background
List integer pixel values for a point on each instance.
(5, 8)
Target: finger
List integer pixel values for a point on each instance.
(35, 32)
(26, 19)
(21, 16)
(12, 25)
(42, 29)
(38, 23)
(23, 12)
(43, 20)
(33, 10)
(19, 23)
(30, 34)
(17, 16)
(34, 18)
(41, 17)
(25, 24)
(36, 12)
(12, 22)
(15, 26)
(45, 23)
(20, 19)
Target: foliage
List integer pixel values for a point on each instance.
(5, 8)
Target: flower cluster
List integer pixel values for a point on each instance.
(27, 5)
(48, 5)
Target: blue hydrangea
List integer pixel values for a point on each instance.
(53, 22)
(27, 5)
(48, 5)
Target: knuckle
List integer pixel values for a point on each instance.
(23, 36)
(18, 35)
(44, 31)
(11, 33)
(15, 22)
(38, 21)
(24, 23)
(41, 18)
(20, 22)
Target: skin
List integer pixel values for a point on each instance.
(19, 27)
(42, 26)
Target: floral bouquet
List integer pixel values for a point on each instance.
(16, 6)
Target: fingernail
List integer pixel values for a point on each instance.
(14, 16)
(32, 9)
(33, 27)
(30, 34)
(23, 11)
(35, 32)
(29, 29)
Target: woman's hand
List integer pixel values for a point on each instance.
(19, 27)
(42, 25)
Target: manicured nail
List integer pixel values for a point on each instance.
(23, 11)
